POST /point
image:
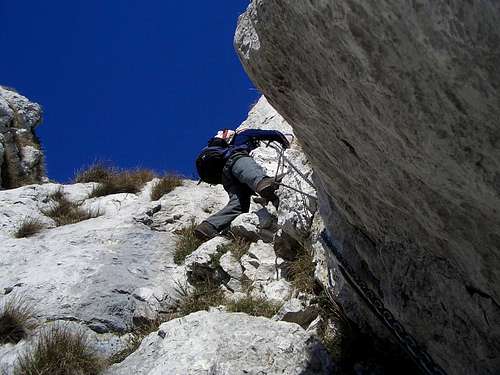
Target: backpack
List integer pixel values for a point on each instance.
(211, 160)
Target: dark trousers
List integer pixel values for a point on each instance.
(240, 178)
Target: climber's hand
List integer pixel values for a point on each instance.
(284, 142)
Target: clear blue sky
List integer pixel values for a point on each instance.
(139, 83)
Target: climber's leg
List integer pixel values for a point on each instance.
(248, 172)
(239, 202)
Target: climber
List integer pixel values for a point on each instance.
(227, 160)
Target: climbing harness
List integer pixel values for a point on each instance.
(418, 354)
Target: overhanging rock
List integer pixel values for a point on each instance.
(396, 105)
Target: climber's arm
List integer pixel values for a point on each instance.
(261, 135)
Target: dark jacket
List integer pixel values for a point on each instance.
(248, 140)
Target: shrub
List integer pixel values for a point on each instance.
(29, 226)
(301, 271)
(113, 180)
(256, 306)
(16, 320)
(187, 242)
(165, 185)
(65, 212)
(60, 351)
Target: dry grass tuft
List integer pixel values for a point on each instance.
(187, 242)
(28, 227)
(208, 294)
(200, 297)
(166, 184)
(238, 247)
(59, 351)
(65, 212)
(98, 172)
(113, 180)
(301, 271)
(255, 306)
(16, 320)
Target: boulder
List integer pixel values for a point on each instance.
(396, 105)
(223, 343)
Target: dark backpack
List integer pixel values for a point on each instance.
(211, 160)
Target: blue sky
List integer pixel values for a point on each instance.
(139, 83)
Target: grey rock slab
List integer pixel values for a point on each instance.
(221, 343)
(396, 105)
(87, 271)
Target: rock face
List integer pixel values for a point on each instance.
(222, 343)
(396, 105)
(21, 160)
(101, 272)
(112, 274)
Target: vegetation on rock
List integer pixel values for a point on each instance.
(16, 320)
(255, 306)
(60, 351)
(65, 212)
(28, 227)
(112, 180)
(301, 271)
(165, 185)
(187, 242)
(238, 246)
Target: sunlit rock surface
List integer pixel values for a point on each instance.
(21, 158)
(397, 107)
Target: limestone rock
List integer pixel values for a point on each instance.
(221, 343)
(247, 226)
(187, 203)
(200, 266)
(260, 262)
(276, 291)
(21, 160)
(297, 311)
(86, 272)
(396, 105)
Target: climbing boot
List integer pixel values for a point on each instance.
(267, 187)
(205, 231)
